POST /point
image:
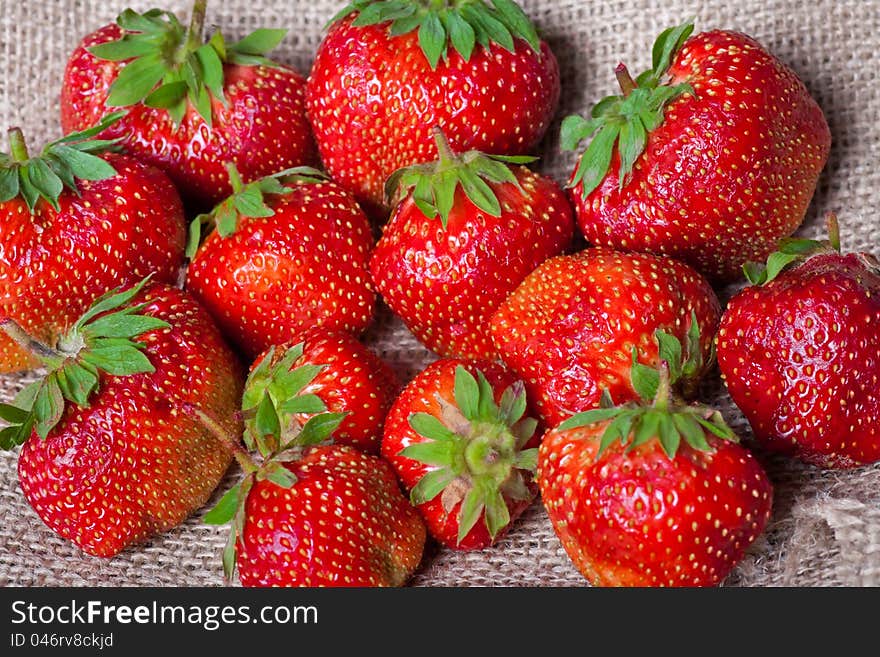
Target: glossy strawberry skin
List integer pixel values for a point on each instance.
(446, 283)
(343, 523)
(373, 100)
(354, 381)
(53, 264)
(639, 518)
(133, 464)
(262, 129)
(278, 277)
(569, 328)
(420, 396)
(728, 172)
(800, 357)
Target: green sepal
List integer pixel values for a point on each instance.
(625, 122)
(461, 25)
(433, 185)
(225, 510)
(792, 250)
(247, 200)
(60, 164)
(168, 68)
(101, 342)
(231, 509)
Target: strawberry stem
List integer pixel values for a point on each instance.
(624, 79)
(226, 439)
(17, 145)
(44, 352)
(661, 399)
(196, 25)
(833, 231)
(444, 150)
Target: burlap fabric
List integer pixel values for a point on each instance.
(825, 528)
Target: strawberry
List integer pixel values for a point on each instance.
(193, 106)
(289, 254)
(569, 329)
(108, 458)
(308, 513)
(461, 444)
(652, 493)
(799, 353)
(446, 278)
(387, 73)
(710, 157)
(76, 221)
(343, 377)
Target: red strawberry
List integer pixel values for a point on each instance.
(445, 278)
(193, 106)
(383, 78)
(569, 330)
(718, 149)
(800, 353)
(108, 458)
(458, 439)
(343, 377)
(74, 222)
(652, 494)
(285, 258)
(306, 513)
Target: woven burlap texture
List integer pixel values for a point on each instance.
(825, 529)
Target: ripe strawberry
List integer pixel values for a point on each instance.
(653, 493)
(289, 254)
(570, 328)
(108, 458)
(800, 355)
(718, 149)
(387, 73)
(308, 513)
(193, 106)
(74, 222)
(446, 278)
(458, 439)
(341, 375)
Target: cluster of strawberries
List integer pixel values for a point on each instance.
(566, 373)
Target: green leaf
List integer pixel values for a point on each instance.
(479, 192)
(645, 380)
(467, 393)
(432, 39)
(201, 100)
(497, 514)
(226, 218)
(212, 70)
(194, 236)
(646, 428)
(618, 429)
(45, 181)
(431, 485)
(481, 19)
(167, 95)
(48, 406)
(77, 382)
(266, 421)
(135, 81)
(520, 25)
(259, 42)
(429, 426)
(433, 452)
(26, 396)
(461, 33)
(487, 409)
(575, 129)
(150, 22)
(777, 262)
(306, 404)
(444, 193)
(669, 349)
(249, 202)
(286, 383)
(527, 459)
(689, 428)
(716, 425)
(13, 414)
(225, 510)
(669, 436)
(587, 418)
(405, 24)
(469, 513)
(29, 193)
(85, 136)
(632, 140)
(229, 556)
(84, 166)
(123, 325)
(319, 428)
(279, 475)
(667, 45)
(116, 356)
(8, 183)
(513, 403)
(755, 273)
(596, 159)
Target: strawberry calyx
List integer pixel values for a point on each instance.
(623, 122)
(247, 200)
(477, 448)
(433, 184)
(659, 413)
(102, 342)
(171, 67)
(462, 24)
(60, 164)
(273, 397)
(793, 250)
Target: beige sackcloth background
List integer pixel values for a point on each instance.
(825, 528)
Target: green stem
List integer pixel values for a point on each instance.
(661, 399)
(226, 439)
(196, 25)
(234, 178)
(44, 352)
(444, 150)
(624, 79)
(833, 231)
(17, 145)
